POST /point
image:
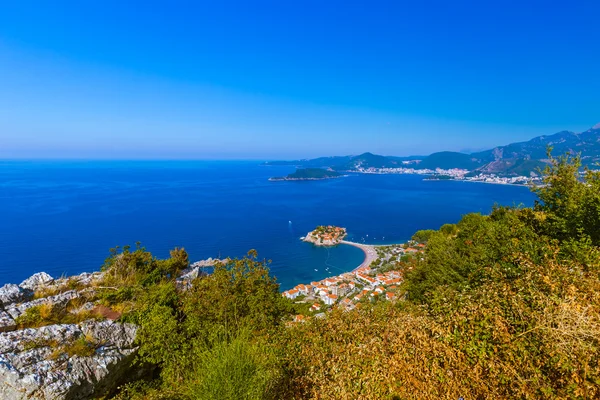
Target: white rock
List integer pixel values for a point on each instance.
(60, 300)
(36, 280)
(11, 293)
(7, 323)
(31, 374)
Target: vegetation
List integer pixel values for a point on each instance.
(48, 314)
(498, 306)
(212, 340)
(310, 174)
(81, 347)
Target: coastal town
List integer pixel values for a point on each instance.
(456, 174)
(376, 279)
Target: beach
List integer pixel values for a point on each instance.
(369, 250)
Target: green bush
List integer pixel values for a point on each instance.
(235, 369)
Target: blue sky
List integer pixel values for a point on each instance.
(281, 79)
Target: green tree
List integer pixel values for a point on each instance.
(571, 202)
(423, 236)
(225, 315)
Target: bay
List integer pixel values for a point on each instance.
(62, 217)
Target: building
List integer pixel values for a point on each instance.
(330, 299)
(291, 294)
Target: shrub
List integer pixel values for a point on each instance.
(235, 369)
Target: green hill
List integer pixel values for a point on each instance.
(448, 160)
(305, 174)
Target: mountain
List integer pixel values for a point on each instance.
(515, 159)
(448, 160)
(368, 160)
(585, 143)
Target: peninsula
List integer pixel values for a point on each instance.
(308, 174)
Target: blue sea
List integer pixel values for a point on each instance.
(63, 217)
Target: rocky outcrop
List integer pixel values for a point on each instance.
(7, 323)
(36, 280)
(60, 300)
(35, 363)
(63, 361)
(195, 270)
(67, 361)
(11, 293)
(209, 262)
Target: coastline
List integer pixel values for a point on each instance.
(470, 181)
(284, 179)
(428, 178)
(369, 250)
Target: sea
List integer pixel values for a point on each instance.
(62, 217)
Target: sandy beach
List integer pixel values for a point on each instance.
(370, 253)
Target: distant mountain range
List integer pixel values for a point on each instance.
(515, 159)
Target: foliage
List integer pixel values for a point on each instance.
(81, 347)
(218, 323)
(49, 314)
(460, 260)
(423, 236)
(235, 368)
(312, 173)
(571, 204)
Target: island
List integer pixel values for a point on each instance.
(308, 174)
(326, 235)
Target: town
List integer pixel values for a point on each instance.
(455, 174)
(378, 281)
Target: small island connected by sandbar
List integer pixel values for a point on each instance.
(333, 235)
(326, 235)
(309, 174)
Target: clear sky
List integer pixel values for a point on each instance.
(286, 79)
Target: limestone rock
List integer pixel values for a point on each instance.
(11, 293)
(7, 323)
(209, 262)
(36, 280)
(60, 300)
(27, 370)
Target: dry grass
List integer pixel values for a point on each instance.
(81, 347)
(534, 337)
(59, 286)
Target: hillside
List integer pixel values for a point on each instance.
(368, 160)
(449, 159)
(586, 143)
(307, 174)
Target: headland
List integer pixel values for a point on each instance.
(309, 174)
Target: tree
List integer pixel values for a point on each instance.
(570, 202)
